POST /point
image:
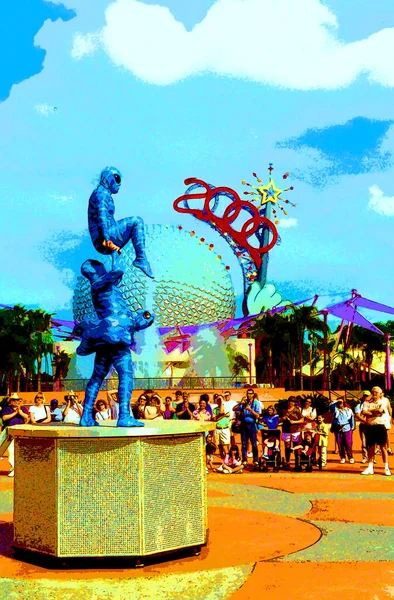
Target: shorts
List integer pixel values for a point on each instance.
(224, 436)
(291, 437)
(375, 434)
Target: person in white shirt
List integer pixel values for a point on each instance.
(229, 408)
(73, 411)
(39, 413)
(309, 414)
(103, 412)
(388, 415)
(113, 401)
(374, 412)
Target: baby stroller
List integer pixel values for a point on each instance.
(306, 456)
(271, 439)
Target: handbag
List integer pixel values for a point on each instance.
(43, 419)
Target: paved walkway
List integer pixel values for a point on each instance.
(287, 536)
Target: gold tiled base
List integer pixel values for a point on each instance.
(114, 496)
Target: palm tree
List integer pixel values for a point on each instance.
(368, 342)
(61, 363)
(14, 345)
(41, 338)
(274, 342)
(304, 319)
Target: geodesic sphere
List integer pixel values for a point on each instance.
(191, 285)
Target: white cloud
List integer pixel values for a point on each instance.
(45, 109)
(84, 45)
(62, 199)
(287, 223)
(286, 43)
(383, 205)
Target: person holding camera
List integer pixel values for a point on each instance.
(248, 413)
(73, 411)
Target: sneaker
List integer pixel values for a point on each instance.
(377, 451)
(206, 470)
(367, 471)
(342, 461)
(256, 464)
(266, 456)
(387, 471)
(250, 454)
(11, 473)
(389, 451)
(364, 460)
(351, 461)
(374, 460)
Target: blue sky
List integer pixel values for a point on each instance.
(184, 89)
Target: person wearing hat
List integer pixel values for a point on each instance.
(56, 412)
(73, 411)
(362, 426)
(14, 413)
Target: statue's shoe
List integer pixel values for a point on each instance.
(141, 263)
(87, 421)
(129, 422)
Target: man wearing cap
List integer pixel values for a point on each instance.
(14, 413)
(361, 425)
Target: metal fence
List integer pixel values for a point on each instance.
(155, 383)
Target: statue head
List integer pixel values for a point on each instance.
(93, 270)
(111, 179)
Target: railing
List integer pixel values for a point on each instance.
(155, 383)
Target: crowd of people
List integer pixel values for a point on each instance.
(295, 426)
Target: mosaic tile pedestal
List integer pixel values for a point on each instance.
(110, 491)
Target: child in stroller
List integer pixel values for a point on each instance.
(306, 451)
(271, 450)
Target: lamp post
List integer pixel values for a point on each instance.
(250, 363)
(388, 361)
(325, 378)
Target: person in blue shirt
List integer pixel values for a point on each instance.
(342, 426)
(248, 412)
(56, 412)
(271, 419)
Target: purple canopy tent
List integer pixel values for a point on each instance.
(347, 311)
